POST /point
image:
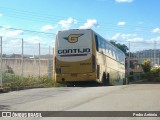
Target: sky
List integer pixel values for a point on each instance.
(137, 21)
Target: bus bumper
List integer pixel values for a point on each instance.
(64, 78)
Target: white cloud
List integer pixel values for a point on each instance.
(67, 23)
(121, 23)
(1, 14)
(157, 39)
(124, 1)
(15, 43)
(137, 39)
(35, 40)
(116, 36)
(6, 27)
(120, 36)
(48, 27)
(12, 43)
(14, 33)
(126, 36)
(89, 24)
(1, 34)
(156, 30)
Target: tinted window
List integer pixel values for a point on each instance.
(96, 40)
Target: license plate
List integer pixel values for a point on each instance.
(73, 75)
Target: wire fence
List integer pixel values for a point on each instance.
(22, 58)
(137, 53)
(145, 50)
(33, 57)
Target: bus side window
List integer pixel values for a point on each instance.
(107, 48)
(100, 45)
(117, 56)
(103, 46)
(97, 44)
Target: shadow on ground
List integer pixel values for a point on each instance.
(84, 84)
(4, 107)
(146, 82)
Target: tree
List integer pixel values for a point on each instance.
(122, 47)
(4, 55)
(146, 65)
(156, 71)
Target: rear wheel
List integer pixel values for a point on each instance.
(124, 81)
(70, 85)
(105, 79)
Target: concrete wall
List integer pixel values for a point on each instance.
(30, 66)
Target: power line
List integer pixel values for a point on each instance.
(30, 31)
(36, 17)
(48, 17)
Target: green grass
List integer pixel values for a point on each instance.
(15, 82)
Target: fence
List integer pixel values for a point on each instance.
(145, 50)
(22, 58)
(30, 57)
(138, 52)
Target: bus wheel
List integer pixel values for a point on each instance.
(124, 81)
(105, 79)
(70, 85)
(108, 79)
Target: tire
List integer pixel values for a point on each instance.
(105, 79)
(124, 81)
(70, 85)
(108, 79)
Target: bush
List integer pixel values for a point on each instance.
(156, 71)
(18, 82)
(143, 76)
(146, 65)
(131, 78)
(150, 76)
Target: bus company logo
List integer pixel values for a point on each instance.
(73, 38)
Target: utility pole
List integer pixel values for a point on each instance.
(49, 63)
(39, 68)
(22, 57)
(128, 63)
(155, 52)
(1, 64)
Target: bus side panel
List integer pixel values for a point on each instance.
(110, 60)
(117, 72)
(110, 66)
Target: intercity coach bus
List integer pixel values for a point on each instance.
(82, 55)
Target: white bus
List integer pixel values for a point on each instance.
(82, 55)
